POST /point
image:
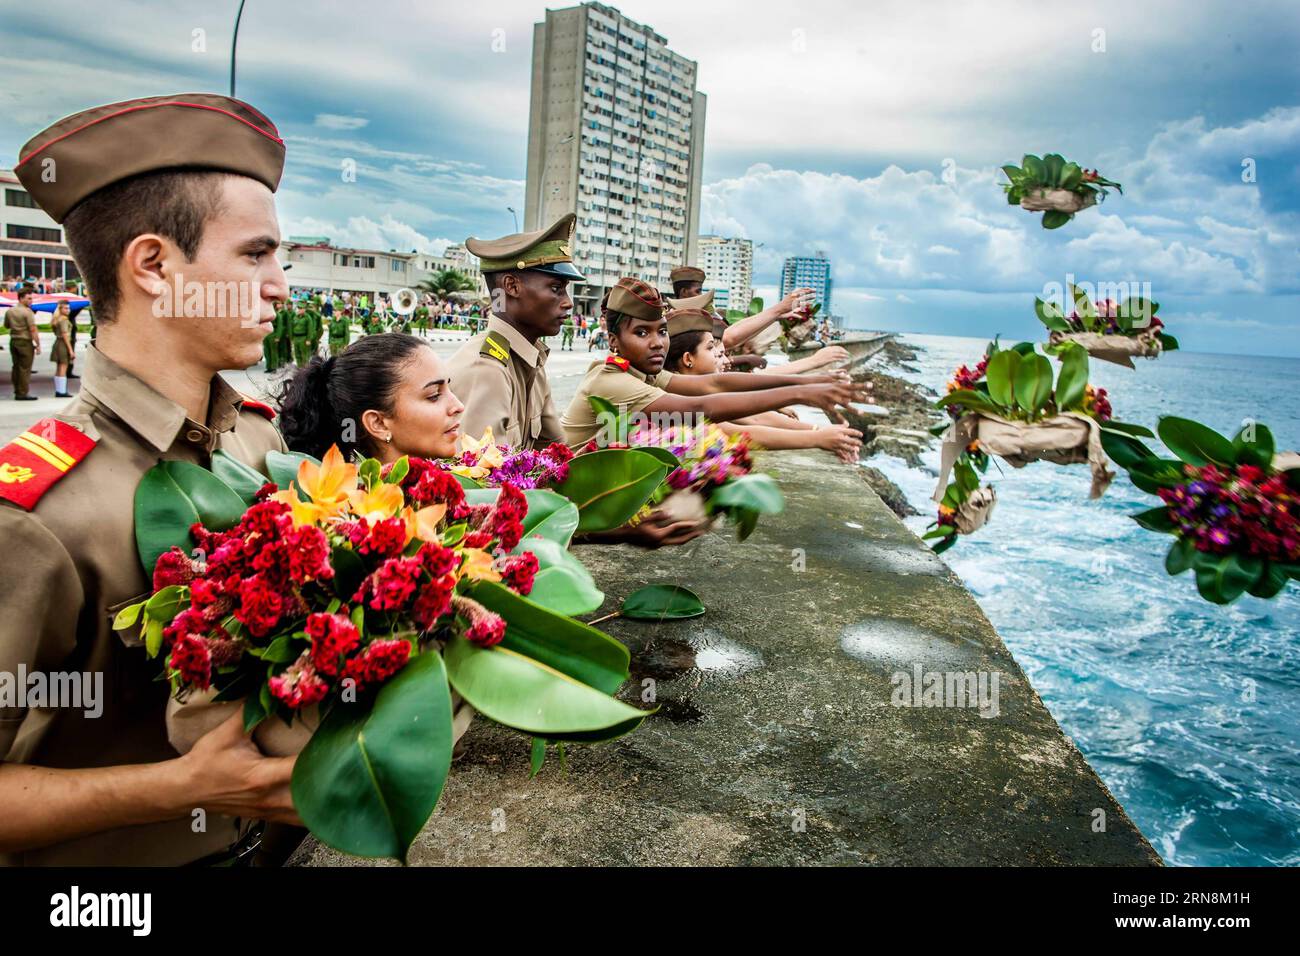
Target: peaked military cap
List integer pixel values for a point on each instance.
(82, 153)
(686, 274)
(637, 299)
(548, 250)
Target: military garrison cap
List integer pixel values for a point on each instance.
(686, 274)
(637, 299)
(689, 320)
(548, 250)
(702, 301)
(82, 153)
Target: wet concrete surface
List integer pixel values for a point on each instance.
(781, 738)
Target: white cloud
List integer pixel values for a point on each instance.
(335, 121)
(362, 232)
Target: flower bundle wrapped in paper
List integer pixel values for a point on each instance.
(707, 472)
(1011, 408)
(1232, 505)
(345, 606)
(965, 506)
(800, 326)
(1054, 187)
(1107, 330)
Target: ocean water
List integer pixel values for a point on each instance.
(1190, 712)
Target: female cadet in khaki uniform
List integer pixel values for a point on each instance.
(61, 353)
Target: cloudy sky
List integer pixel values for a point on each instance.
(872, 131)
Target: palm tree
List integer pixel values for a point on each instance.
(446, 281)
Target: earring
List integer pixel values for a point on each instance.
(389, 438)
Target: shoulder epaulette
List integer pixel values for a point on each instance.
(618, 362)
(496, 346)
(266, 411)
(33, 463)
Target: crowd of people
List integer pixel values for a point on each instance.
(187, 186)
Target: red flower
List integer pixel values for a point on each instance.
(437, 559)
(436, 486)
(333, 636)
(484, 628)
(558, 452)
(299, 686)
(391, 585)
(380, 661)
(259, 605)
(309, 555)
(191, 658)
(477, 539)
(386, 538)
(519, 572)
(433, 601)
(173, 567)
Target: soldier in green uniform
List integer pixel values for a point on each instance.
(273, 344)
(566, 333)
(102, 786)
(302, 333)
(340, 332)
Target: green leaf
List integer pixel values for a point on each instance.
(165, 604)
(1124, 450)
(976, 401)
(610, 486)
(1222, 578)
(173, 495)
(243, 479)
(1157, 519)
(568, 646)
(662, 454)
(1050, 315)
(469, 484)
(611, 418)
(1180, 557)
(254, 712)
(537, 757)
(1257, 450)
(1152, 474)
(1013, 172)
(1135, 313)
(1033, 383)
(659, 602)
(522, 692)
(1035, 170)
(1127, 428)
(1054, 219)
(1001, 376)
(153, 637)
(349, 570)
(370, 776)
(1053, 166)
(128, 616)
(1167, 342)
(562, 583)
(1071, 176)
(1194, 443)
(400, 469)
(756, 491)
(550, 515)
(1073, 379)
(282, 466)
(1271, 581)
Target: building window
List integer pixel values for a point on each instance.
(33, 233)
(19, 197)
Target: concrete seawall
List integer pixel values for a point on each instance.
(780, 737)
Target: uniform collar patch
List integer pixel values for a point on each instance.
(618, 362)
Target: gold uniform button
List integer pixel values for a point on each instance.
(520, 264)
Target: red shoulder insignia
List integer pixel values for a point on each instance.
(33, 463)
(618, 362)
(266, 411)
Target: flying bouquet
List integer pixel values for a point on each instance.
(707, 472)
(1232, 505)
(965, 506)
(1012, 408)
(342, 605)
(1054, 187)
(800, 326)
(1111, 331)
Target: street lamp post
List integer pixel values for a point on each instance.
(511, 210)
(234, 42)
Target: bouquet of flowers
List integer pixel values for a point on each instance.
(1111, 331)
(345, 603)
(708, 472)
(492, 465)
(800, 326)
(1232, 505)
(1054, 187)
(1010, 405)
(965, 506)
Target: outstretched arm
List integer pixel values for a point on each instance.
(744, 330)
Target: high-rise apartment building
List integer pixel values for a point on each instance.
(728, 266)
(812, 272)
(615, 135)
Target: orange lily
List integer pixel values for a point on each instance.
(330, 483)
(302, 512)
(423, 524)
(488, 455)
(478, 565)
(382, 501)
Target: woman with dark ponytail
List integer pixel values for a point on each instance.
(384, 396)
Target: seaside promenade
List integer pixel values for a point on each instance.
(784, 735)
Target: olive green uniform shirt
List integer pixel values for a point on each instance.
(21, 322)
(631, 390)
(76, 565)
(503, 385)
